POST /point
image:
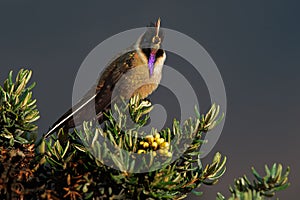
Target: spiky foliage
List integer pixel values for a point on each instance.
(112, 161)
(72, 174)
(122, 174)
(18, 112)
(17, 108)
(262, 187)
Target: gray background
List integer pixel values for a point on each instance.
(255, 45)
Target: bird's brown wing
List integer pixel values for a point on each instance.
(98, 98)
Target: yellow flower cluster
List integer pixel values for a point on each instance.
(155, 143)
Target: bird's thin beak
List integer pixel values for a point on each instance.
(157, 27)
(156, 40)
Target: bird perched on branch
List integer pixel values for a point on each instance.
(136, 72)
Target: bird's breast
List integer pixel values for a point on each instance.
(138, 81)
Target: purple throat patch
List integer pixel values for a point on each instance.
(151, 63)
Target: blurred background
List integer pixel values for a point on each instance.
(255, 44)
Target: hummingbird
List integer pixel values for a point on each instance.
(136, 72)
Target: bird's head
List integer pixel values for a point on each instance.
(150, 46)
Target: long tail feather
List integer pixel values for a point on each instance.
(68, 116)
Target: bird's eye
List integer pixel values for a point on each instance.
(156, 40)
